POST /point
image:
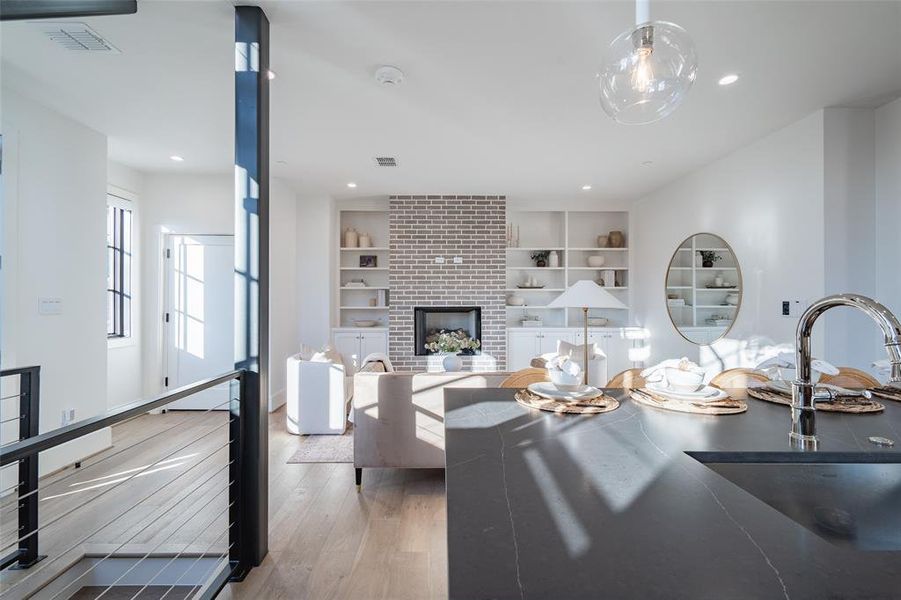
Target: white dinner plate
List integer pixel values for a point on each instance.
(546, 389)
(705, 393)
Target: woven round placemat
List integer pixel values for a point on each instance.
(844, 404)
(887, 392)
(601, 404)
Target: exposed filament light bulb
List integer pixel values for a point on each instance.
(642, 80)
(643, 72)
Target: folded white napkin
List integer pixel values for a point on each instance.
(883, 366)
(674, 363)
(565, 364)
(773, 367)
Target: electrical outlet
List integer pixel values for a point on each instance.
(50, 306)
(67, 417)
(458, 260)
(439, 260)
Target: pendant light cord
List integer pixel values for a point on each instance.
(642, 11)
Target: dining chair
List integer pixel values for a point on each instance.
(628, 379)
(738, 379)
(849, 377)
(524, 377)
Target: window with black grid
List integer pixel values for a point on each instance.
(118, 268)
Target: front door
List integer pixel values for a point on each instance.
(200, 315)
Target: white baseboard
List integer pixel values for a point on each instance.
(277, 400)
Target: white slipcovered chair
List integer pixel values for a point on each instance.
(319, 389)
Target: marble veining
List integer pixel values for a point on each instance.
(650, 532)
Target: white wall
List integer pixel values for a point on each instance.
(766, 201)
(125, 370)
(316, 241)
(54, 245)
(204, 204)
(174, 203)
(849, 199)
(888, 205)
(283, 288)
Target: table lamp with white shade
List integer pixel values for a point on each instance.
(586, 294)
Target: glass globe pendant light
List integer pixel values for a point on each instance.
(647, 70)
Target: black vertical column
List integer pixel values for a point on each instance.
(252, 265)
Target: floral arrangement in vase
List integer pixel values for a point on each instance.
(452, 342)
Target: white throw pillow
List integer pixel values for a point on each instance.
(328, 355)
(575, 352)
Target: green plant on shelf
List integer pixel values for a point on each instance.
(708, 257)
(540, 258)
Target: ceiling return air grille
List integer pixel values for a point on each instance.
(77, 37)
(385, 161)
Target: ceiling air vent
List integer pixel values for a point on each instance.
(78, 37)
(385, 161)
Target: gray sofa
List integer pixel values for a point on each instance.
(399, 417)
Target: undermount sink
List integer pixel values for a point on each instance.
(851, 500)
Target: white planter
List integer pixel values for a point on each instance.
(452, 363)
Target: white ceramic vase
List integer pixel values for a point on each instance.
(452, 363)
(553, 259)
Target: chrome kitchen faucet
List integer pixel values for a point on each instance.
(804, 395)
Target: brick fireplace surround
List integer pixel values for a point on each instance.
(425, 227)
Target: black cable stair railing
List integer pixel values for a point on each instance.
(203, 573)
(28, 402)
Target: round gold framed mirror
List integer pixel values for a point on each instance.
(703, 288)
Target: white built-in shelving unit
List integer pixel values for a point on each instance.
(573, 236)
(690, 282)
(353, 302)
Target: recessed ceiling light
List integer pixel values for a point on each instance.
(586, 187)
(176, 158)
(351, 185)
(647, 163)
(271, 74)
(728, 79)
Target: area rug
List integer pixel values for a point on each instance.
(325, 448)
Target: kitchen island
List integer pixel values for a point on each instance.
(611, 506)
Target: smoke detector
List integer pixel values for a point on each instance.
(78, 37)
(388, 75)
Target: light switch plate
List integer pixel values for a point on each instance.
(792, 308)
(50, 306)
(439, 260)
(458, 260)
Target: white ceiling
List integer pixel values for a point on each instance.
(499, 97)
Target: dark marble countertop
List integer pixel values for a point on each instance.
(610, 506)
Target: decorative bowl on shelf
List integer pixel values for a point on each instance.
(514, 300)
(365, 322)
(596, 261)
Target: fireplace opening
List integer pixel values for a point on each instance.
(431, 321)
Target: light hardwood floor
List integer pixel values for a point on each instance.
(326, 540)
